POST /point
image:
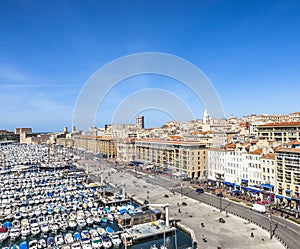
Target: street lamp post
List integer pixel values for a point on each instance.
(270, 215)
(181, 189)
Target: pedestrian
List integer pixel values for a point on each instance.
(252, 235)
(179, 211)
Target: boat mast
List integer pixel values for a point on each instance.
(175, 237)
(48, 154)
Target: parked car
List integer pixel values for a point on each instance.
(200, 190)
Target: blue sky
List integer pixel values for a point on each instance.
(48, 50)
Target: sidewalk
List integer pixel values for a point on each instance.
(234, 233)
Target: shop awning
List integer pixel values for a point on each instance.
(279, 196)
(253, 190)
(296, 200)
(229, 183)
(288, 191)
(264, 185)
(244, 180)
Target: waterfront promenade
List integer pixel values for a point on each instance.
(234, 233)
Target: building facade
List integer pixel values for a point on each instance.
(186, 157)
(288, 171)
(97, 144)
(281, 132)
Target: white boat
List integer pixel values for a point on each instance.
(37, 212)
(85, 237)
(32, 244)
(59, 240)
(115, 239)
(33, 222)
(14, 233)
(24, 222)
(65, 247)
(3, 234)
(101, 231)
(49, 218)
(110, 218)
(42, 243)
(76, 245)
(153, 247)
(25, 231)
(63, 225)
(41, 220)
(126, 239)
(54, 227)
(45, 228)
(17, 216)
(86, 246)
(69, 238)
(106, 242)
(81, 222)
(96, 242)
(72, 223)
(89, 221)
(97, 219)
(35, 230)
(16, 224)
(57, 218)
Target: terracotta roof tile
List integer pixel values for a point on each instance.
(256, 152)
(269, 156)
(281, 124)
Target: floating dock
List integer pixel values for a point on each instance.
(148, 230)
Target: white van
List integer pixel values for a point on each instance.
(258, 208)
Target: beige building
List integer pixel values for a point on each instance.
(29, 138)
(186, 157)
(268, 171)
(26, 130)
(288, 170)
(125, 150)
(97, 144)
(280, 132)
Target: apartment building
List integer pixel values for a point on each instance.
(252, 161)
(233, 167)
(268, 171)
(288, 170)
(125, 150)
(216, 164)
(280, 132)
(186, 157)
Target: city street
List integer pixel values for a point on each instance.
(190, 210)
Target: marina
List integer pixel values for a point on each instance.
(45, 205)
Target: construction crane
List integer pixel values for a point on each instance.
(166, 207)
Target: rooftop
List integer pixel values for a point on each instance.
(269, 156)
(281, 124)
